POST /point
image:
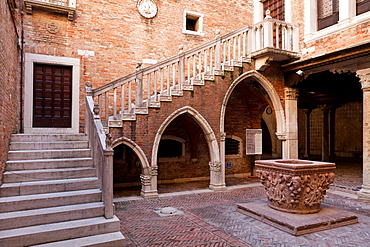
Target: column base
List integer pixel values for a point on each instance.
(149, 194)
(364, 193)
(217, 187)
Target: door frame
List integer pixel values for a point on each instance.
(30, 59)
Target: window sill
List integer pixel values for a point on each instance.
(192, 32)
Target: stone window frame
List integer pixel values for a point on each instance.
(347, 19)
(240, 153)
(173, 159)
(193, 16)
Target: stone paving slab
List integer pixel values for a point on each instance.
(298, 224)
(211, 219)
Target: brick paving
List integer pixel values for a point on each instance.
(210, 219)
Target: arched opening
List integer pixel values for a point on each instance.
(245, 109)
(183, 156)
(126, 172)
(330, 123)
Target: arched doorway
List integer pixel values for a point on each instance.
(244, 107)
(201, 139)
(183, 155)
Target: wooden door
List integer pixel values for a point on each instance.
(276, 7)
(52, 96)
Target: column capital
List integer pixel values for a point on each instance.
(364, 75)
(291, 93)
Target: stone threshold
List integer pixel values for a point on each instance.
(298, 224)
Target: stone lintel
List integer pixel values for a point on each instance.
(298, 224)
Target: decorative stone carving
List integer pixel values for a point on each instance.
(52, 27)
(295, 186)
(96, 111)
(147, 8)
(291, 93)
(364, 76)
(88, 88)
(108, 140)
(223, 136)
(145, 179)
(215, 166)
(153, 170)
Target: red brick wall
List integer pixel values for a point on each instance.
(119, 36)
(9, 77)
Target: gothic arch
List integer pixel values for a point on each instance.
(275, 99)
(209, 134)
(138, 151)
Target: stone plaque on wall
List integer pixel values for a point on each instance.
(253, 141)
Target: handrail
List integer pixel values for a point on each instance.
(102, 152)
(148, 86)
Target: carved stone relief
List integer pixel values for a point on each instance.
(147, 8)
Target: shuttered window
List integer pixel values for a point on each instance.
(328, 13)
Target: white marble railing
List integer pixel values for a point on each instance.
(101, 150)
(146, 87)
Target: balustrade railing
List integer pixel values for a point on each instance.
(102, 152)
(66, 3)
(146, 87)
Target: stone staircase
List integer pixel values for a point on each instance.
(51, 195)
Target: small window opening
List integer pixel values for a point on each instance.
(231, 146)
(169, 149)
(192, 23)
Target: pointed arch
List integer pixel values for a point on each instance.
(270, 90)
(137, 150)
(213, 147)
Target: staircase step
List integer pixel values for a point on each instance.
(16, 146)
(18, 165)
(48, 154)
(114, 239)
(48, 174)
(34, 217)
(50, 186)
(48, 137)
(33, 235)
(26, 202)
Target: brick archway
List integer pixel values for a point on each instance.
(217, 178)
(272, 94)
(147, 171)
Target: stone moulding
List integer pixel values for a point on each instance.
(295, 186)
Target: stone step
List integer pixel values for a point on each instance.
(26, 202)
(48, 174)
(114, 239)
(16, 146)
(34, 217)
(48, 154)
(48, 137)
(17, 165)
(50, 186)
(33, 235)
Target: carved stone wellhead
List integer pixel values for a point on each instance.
(295, 186)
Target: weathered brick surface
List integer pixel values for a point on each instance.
(9, 77)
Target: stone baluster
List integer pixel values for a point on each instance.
(268, 31)
(218, 70)
(364, 76)
(139, 85)
(181, 66)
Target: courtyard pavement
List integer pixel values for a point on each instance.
(208, 218)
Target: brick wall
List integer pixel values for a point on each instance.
(118, 36)
(9, 76)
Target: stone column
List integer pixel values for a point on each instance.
(307, 133)
(364, 76)
(149, 183)
(290, 145)
(217, 170)
(332, 132)
(325, 133)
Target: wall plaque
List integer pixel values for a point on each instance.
(253, 141)
(147, 8)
